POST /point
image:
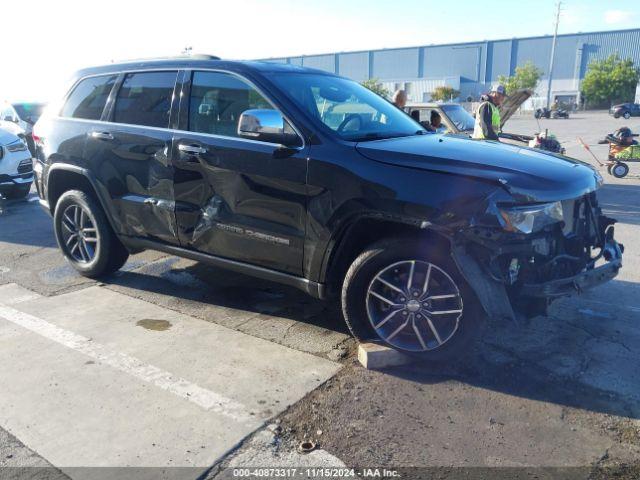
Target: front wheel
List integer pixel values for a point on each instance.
(412, 298)
(85, 236)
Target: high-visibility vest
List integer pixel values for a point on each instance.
(495, 121)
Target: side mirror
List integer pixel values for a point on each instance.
(267, 126)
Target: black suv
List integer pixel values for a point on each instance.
(309, 179)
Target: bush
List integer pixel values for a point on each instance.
(610, 81)
(444, 93)
(376, 87)
(526, 76)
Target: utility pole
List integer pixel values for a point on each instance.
(553, 53)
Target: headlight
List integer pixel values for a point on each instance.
(18, 146)
(530, 218)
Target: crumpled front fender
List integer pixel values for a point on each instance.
(491, 294)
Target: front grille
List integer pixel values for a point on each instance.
(25, 166)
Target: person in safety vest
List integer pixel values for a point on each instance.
(488, 116)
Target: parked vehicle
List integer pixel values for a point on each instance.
(19, 118)
(458, 121)
(625, 110)
(455, 118)
(309, 179)
(16, 167)
(547, 113)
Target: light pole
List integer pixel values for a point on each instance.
(553, 52)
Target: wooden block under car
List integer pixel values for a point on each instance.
(374, 356)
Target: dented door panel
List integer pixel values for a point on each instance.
(238, 200)
(135, 168)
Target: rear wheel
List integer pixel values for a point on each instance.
(620, 170)
(413, 299)
(627, 115)
(85, 236)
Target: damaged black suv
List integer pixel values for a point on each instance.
(309, 179)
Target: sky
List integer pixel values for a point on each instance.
(50, 39)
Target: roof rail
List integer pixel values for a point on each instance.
(193, 56)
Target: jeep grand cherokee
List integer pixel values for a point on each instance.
(309, 179)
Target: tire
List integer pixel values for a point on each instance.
(619, 170)
(616, 115)
(19, 191)
(609, 167)
(626, 115)
(446, 338)
(85, 237)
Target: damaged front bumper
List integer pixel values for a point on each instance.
(520, 275)
(577, 283)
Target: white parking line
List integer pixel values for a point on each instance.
(202, 397)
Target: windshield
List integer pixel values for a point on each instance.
(347, 108)
(459, 116)
(26, 110)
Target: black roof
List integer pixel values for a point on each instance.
(198, 62)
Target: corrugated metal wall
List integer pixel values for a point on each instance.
(476, 65)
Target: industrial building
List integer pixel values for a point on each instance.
(473, 67)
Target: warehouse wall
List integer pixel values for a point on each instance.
(476, 65)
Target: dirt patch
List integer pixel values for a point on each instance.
(511, 414)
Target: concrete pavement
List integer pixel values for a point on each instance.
(116, 381)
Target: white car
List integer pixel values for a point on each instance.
(19, 118)
(16, 166)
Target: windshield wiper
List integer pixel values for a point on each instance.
(378, 136)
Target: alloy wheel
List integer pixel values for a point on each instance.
(79, 234)
(414, 305)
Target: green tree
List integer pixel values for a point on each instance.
(526, 76)
(376, 87)
(609, 81)
(444, 93)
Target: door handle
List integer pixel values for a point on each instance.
(102, 135)
(192, 149)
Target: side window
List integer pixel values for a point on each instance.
(6, 114)
(217, 101)
(88, 98)
(145, 99)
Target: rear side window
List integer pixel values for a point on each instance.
(88, 98)
(145, 99)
